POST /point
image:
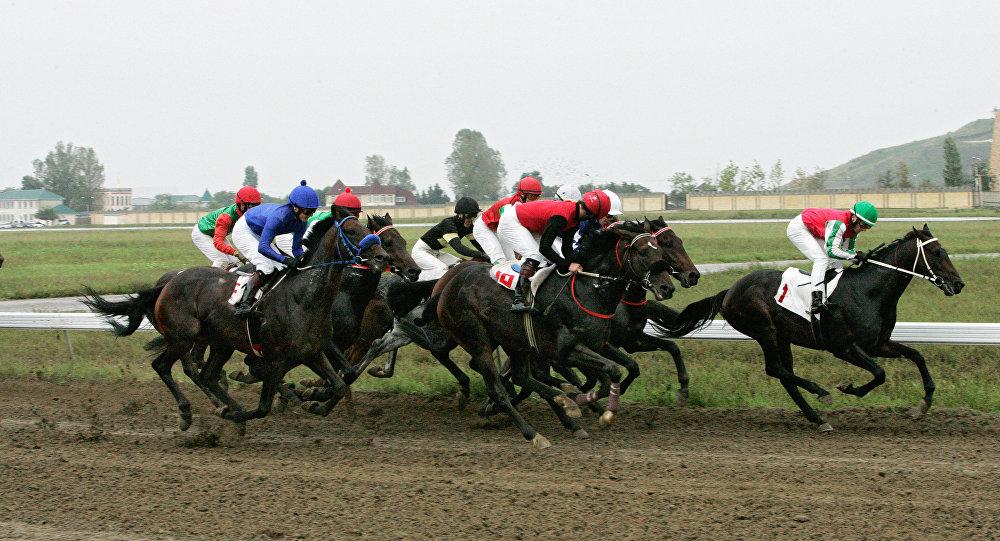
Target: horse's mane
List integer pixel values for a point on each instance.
(893, 245)
(601, 241)
(319, 231)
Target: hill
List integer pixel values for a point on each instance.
(925, 158)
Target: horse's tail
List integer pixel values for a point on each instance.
(430, 313)
(134, 308)
(156, 345)
(403, 297)
(692, 317)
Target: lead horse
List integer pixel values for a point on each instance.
(292, 327)
(856, 328)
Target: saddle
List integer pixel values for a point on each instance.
(794, 291)
(509, 273)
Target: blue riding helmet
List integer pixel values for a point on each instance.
(304, 197)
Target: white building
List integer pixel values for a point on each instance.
(21, 205)
(116, 199)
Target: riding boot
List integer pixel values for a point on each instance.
(817, 302)
(528, 268)
(245, 306)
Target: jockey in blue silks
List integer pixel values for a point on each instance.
(254, 236)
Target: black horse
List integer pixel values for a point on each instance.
(293, 326)
(571, 327)
(856, 328)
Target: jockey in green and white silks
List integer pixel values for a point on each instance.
(826, 237)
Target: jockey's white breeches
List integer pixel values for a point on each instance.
(487, 238)
(246, 241)
(433, 263)
(206, 243)
(514, 237)
(814, 249)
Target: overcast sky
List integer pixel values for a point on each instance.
(181, 96)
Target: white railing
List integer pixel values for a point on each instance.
(912, 332)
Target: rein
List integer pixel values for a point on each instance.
(921, 255)
(353, 250)
(626, 266)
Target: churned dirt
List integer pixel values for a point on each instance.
(104, 461)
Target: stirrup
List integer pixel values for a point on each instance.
(245, 309)
(520, 308)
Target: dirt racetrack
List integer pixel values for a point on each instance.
(104, 461)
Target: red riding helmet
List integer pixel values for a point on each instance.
(347, 200)
(248, 194)
(597, 203)
(529, 186)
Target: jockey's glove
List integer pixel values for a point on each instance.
(860, 257)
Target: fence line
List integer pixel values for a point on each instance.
(911, 332)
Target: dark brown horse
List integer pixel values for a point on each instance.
(571, 327)
(856, 328)
(292, 327)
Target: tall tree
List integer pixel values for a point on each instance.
(776, 177)
(376, 171)
(250, 176)
(985, 175)
(434, 196)
(903, 175)
(48, 214)
(162, 201)
(74, 173)
(624, 187)
(817, 180)
(474, 169)
(952, 163)
(886, 180)
(752, 178)
(707, 184)
(401, 178)
(223, 199)
(727, 177)
(29, 182)
(682, 182)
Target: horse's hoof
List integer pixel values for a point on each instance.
(581, 434)
(310, 406)
(540, 442)
(377, 372)
(682, 398)
(920, 410)
(569, 388)
(221, 411)
(846, 388)
(461, 401)
(185, 422)
(825, 427)
(826, 399)
(570, 407)
(606, 419)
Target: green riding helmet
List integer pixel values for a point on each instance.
(866, 212)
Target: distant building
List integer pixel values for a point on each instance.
(376, 195)
(116, 199)
(141, 203)
(21, 205)
(193, 201)
(66, 213)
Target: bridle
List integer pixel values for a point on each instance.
(353, 250)
(625, 263)
(921, 256)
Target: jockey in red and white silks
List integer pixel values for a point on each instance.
(485, 226)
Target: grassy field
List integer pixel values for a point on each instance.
(50, 264)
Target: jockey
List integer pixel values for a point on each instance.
(484, 229)
(820, 234)
(427, 251)
(255, 231)
(593, 225)
(345, 203)
(532, 228)
(210, 233)
(568, 192)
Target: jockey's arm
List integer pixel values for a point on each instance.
(553, 229)
(223, 225)
(834, 244)
(267, 237)
(461, 249)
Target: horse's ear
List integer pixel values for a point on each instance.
(927, 229)
(388, 219)
(372, 224)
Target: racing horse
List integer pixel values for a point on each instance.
(291, 327)
(855, 329)
(474, 311)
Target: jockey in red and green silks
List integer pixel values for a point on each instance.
(826, 237)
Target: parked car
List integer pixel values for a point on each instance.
(17, 224)
(36, 223)
(62, 221)
(5, 225)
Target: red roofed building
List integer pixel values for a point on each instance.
(376, 195)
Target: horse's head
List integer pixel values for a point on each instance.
(395, 246)
(627, 250)
(345, 240)
(920, 252)
(674, 254)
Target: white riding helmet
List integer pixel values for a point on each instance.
(616, 203)
(568, 192)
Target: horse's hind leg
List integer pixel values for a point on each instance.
(564, 408)
(895, 349)
(631, 367)
(162, 364)
(778, 364)
(270, 373)
(211, 374)
(482, 362)
(463, 380)
(859, 358)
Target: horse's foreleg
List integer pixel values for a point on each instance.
(482, 362)
(631, 367)
(564, 408)
(271, 374)
(859, 358)
(895, 349)
(390, 341)
(209, 379)
(337, 387)
(610, 374)
(388, 369)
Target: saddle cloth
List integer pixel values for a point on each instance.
(795, 291)
(508, 273)
(241, 284)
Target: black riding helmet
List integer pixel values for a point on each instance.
(467, 206)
